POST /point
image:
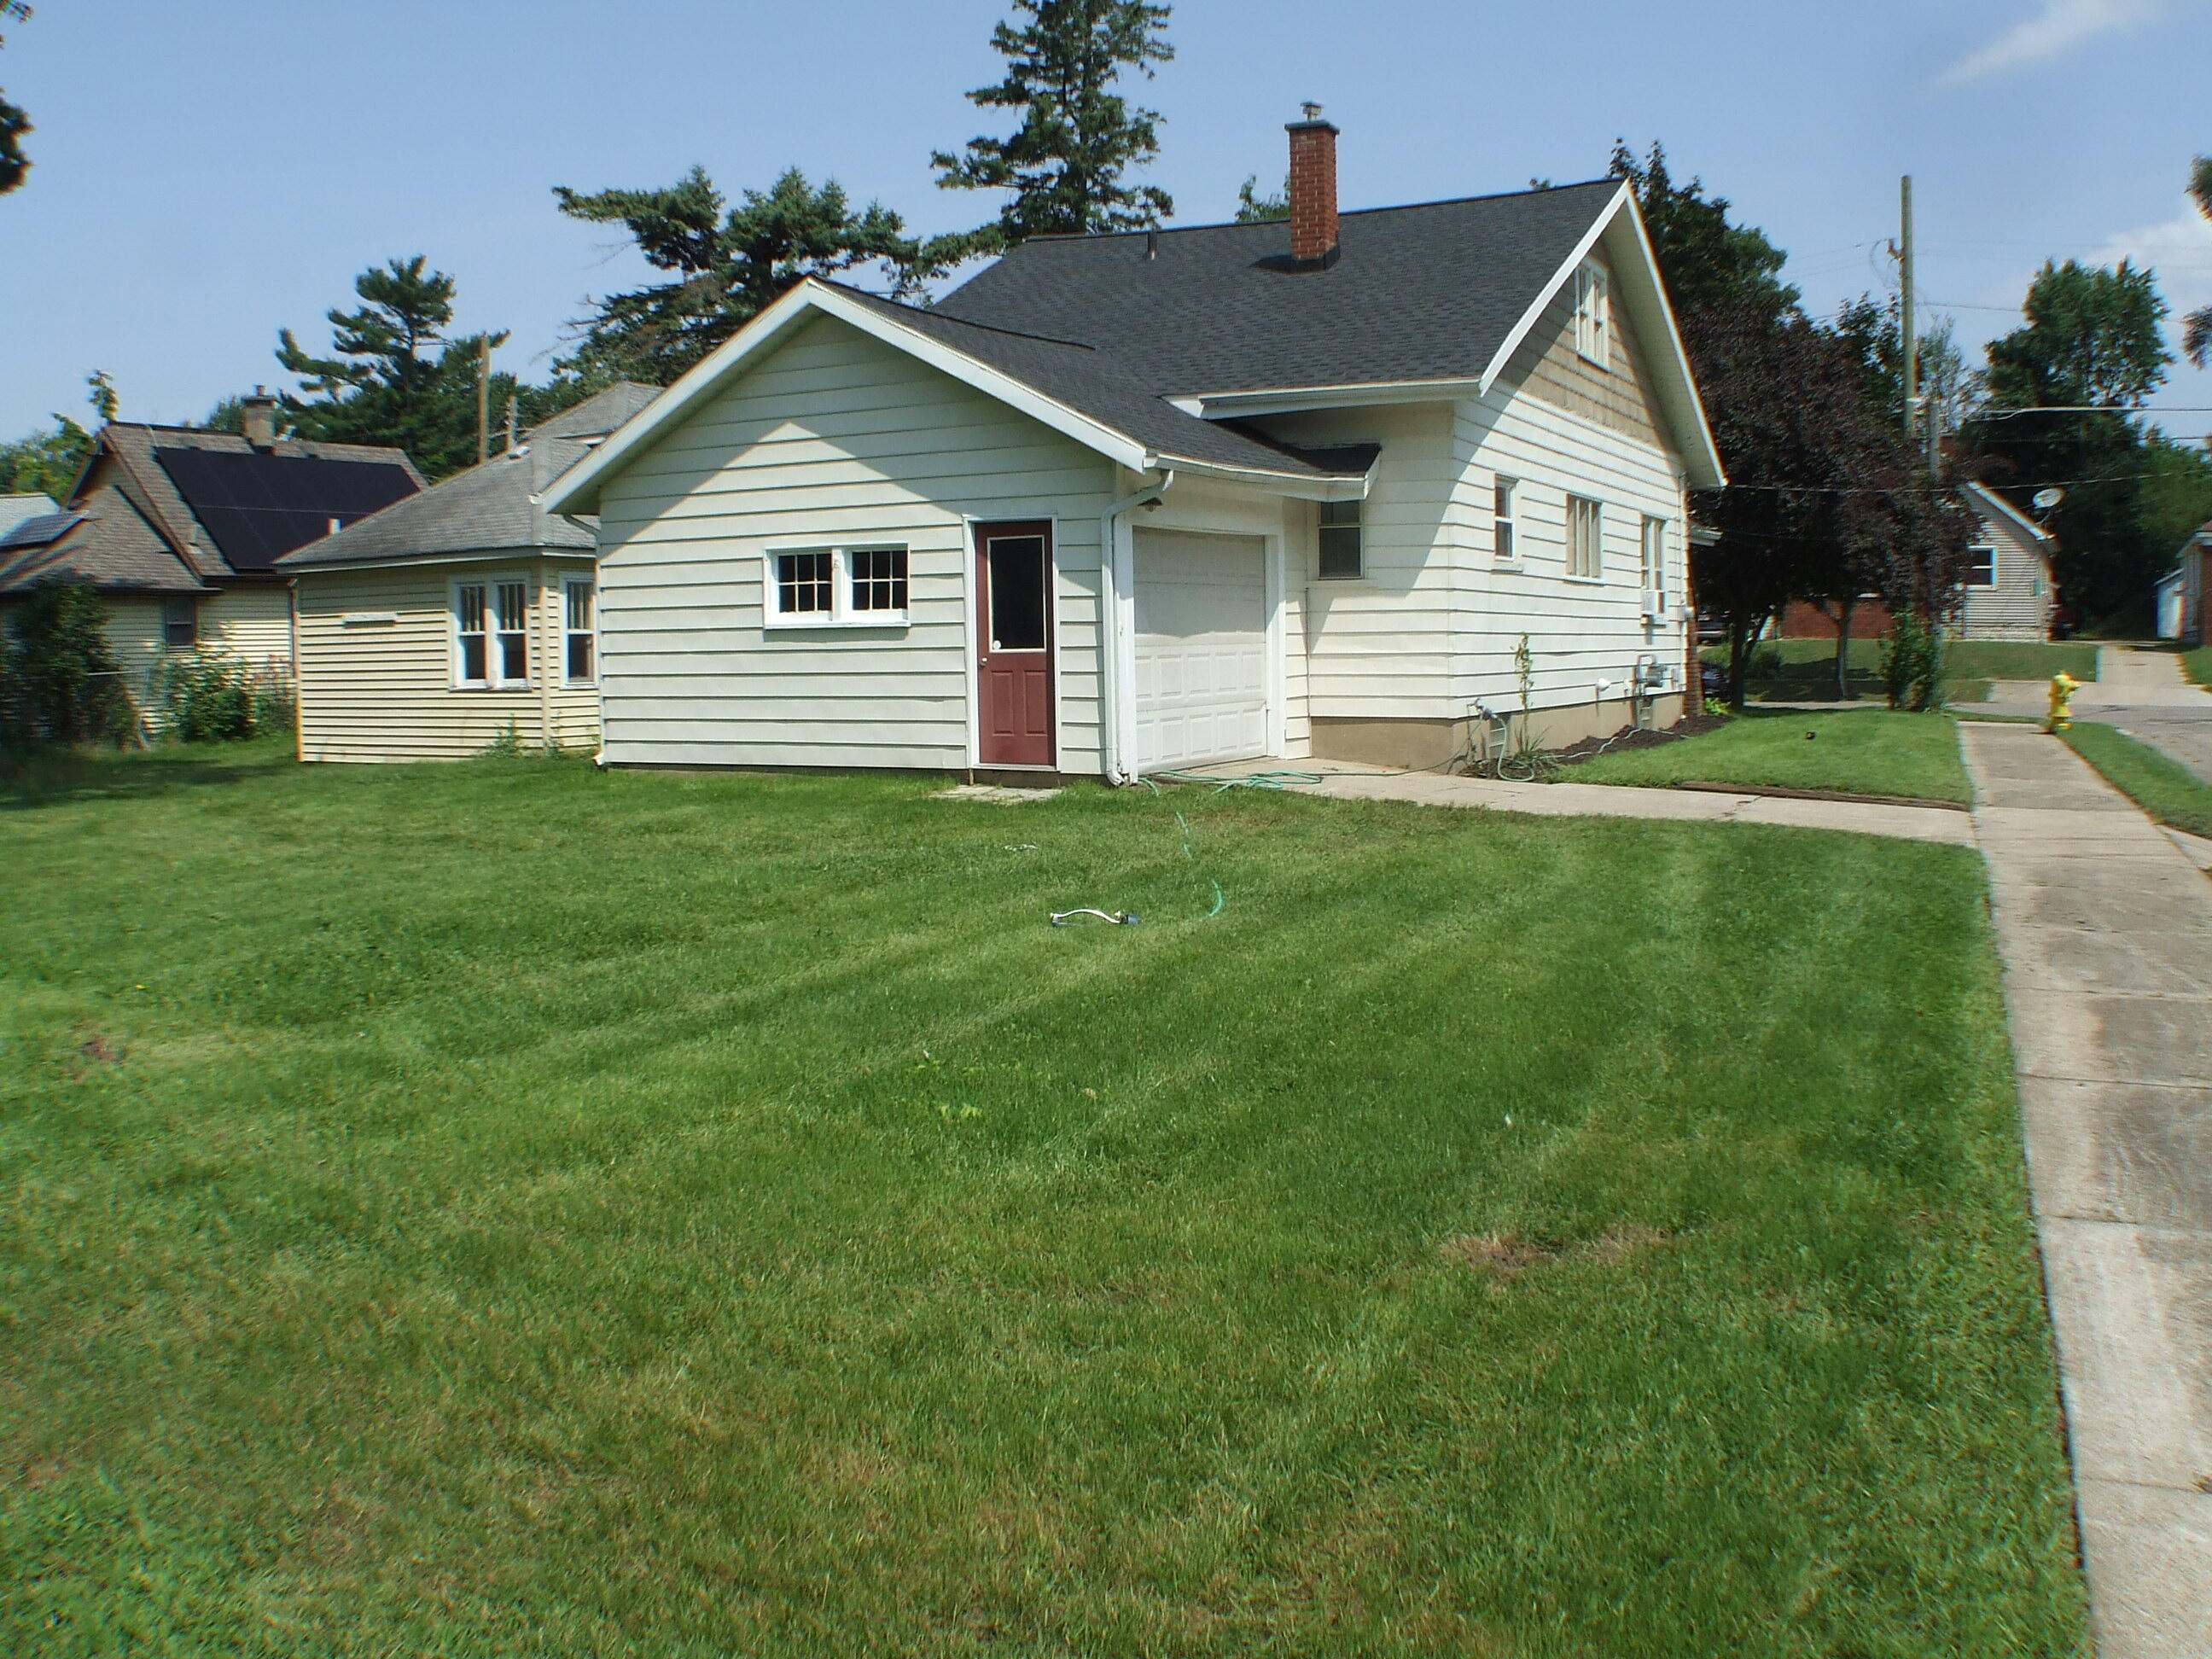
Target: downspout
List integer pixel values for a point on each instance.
(1109, 623)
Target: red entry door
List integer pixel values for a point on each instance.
(1013, 664)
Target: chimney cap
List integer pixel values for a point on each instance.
(1312, 119)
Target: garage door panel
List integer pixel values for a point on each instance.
(1201, 649)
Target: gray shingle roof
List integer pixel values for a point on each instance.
(14, 509)
(487, 508)
(1099, 384)
(107, 542)
(1421, 293)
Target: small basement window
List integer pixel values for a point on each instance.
(1982, 566)
(1502, 521)
(836, 587)
(1342, 554)
(579, 631)
(180, 622)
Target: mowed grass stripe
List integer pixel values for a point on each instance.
(744, 1225)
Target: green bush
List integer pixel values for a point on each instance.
(211, 697)
(59, 678)
(1912, 662)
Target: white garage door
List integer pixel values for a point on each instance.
(1202, 649)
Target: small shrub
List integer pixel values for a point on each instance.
(1912, 662)
(211, 696)
(59, 678)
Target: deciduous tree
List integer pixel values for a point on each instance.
(14, 124)
(1064, 163)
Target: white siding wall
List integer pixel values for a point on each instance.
(377, 690)
(134, 633)
(2019, 606)
(833, 438)
(254, 621)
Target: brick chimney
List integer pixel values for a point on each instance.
(1313, 188)
(257, 418)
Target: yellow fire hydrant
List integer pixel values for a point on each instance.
(2064, 685)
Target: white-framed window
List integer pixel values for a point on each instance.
(1982, 565)
(1502, 519)
(1585, 539)
(580, 630)
(1341, 556)
(1593, 313)
(1655, 566)
(491, 632)
(181, 622)
(835, 587)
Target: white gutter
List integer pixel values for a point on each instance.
(1110, 583)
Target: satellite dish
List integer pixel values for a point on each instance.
(2047, 499)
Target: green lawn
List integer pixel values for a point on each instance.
(1804, 669)
(1863, 751)
(2165, 788)
(2197, 664)
(509, 1208)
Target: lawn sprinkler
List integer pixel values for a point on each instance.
(1118, 918)
(2064, 685)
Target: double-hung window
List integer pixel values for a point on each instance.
(1585, 539)
(580, 636)
(1982, 565)
(838, 587)
(1502, 521)
(180, 622)
(491, 634)
(1341, 556)
(1655, 566)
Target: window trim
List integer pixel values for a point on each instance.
(1970, 583)
(568, 584)
(842, 612)
(1593, 313)
(1358, 525)
(490, 582)
(189, 604)
(1652, 563)
(1574, 573)
(1506, 487)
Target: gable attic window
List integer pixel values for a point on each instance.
(1342, 556)
(1982, 565)
(836, 587)
(1593, 313)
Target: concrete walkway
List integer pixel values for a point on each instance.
(1571, 800)
(2105, 930)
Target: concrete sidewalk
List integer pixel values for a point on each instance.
(2105, 929)
(1571, 800)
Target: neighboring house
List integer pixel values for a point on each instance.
(1128, 503)
(180, 530)
(458, 618)
(14, 509)
(2008, 593)
(2182, 595)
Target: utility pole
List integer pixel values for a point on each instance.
(510, 422)
(484, 398)
(1908, 333)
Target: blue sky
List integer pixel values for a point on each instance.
(207, 171)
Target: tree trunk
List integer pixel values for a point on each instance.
(1845, 607)
(1740, 630)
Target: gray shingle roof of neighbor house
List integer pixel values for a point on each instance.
(104, 540)
(1423, 293)
(487, 508)
(14, 509)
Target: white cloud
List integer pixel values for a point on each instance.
(2055, 30)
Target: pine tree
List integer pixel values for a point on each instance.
(14, 124)
(394, 377)
(1065, 162)
(729, 265)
